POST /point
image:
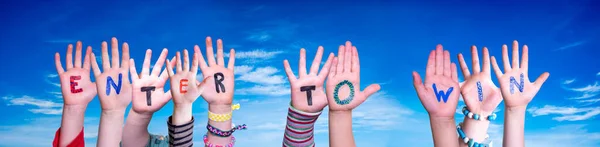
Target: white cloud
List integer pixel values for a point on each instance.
(244, 69)
(566, 113)
(50, 111)
(568, 46)
(588, 88)
(562, 136)
(52, 75)
(568, 81)
(39, 131)
(260, 36)
(255, 54)
(272, 90)
(263, 75)
(43, 106)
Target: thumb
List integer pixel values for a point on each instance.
(371, 89)
(541, 79)
(418, 83)
(202, 84)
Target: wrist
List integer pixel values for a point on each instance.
(441, 119)
(74, 110)
(516, 109)
(118, 112)
(219, 108)
(476, 129)
(340, 113)
(182, 114)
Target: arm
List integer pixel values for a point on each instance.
(77, 90)
(136, 129)
(344, 94)
(517, 92)
(443, 131)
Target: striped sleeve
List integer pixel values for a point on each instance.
(299, 129)
(181, 135)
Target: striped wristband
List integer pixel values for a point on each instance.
(299, 129)
(181, 135)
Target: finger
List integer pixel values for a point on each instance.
(475, 59)
(314, 68)
(220, 59)
(202, 84)
(231, 63)
(496, 68)
(69, 59)
(170, 68)
(78, 49)
(418, 83)
(114, 46)
(201, 61)
(186, 60)
(430, 70)
(348, 57)
(463, 66)
(325, 71)
(125, 57)
(194, 69)
(209, 52)
(525, 59)
(133, 71)
(302, 63)
(340, 60)
(288, 71)
(159, 63)
(164, 76)
(439, 60)
(541, 79)
(95, 67)
(333, 68)
(515, 55)
(447, 69)
(59, 68)
(371, 89)
(146, 64)
(505, 59)
(179, 69)
(86, 59)
(105, 58)
(486, 60)
(355, 61)
(454, 72)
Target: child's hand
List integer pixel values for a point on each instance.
(343, 82)
(148, 93)
(220, 90)
(439, 95)
(184, 86)
(115, 79)
(478, 90)
(311, 83)
(77, 88)
(516, 88)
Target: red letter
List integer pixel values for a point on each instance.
(73, 84)
(182, 83)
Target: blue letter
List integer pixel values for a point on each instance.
(441, 95)
(479, 91)
(109, 82)
(513, 83)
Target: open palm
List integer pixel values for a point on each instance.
(479, 92)
(142, 103)
(117, 96)
(343, 82)
(314, 79)
(516, 88)
(438, 95)
(76, 85)
(217, 69)
(184, 86)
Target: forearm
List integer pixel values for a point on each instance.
(476, 129)
(299, 130)
(340, 129)
(222, 125)
(111, 127)
(136, 129)
(443, 130)
(72, 123)
(181, 126)
(514, 127)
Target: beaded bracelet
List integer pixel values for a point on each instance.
(208, 144)
(472, 115)
(220, 133)
(469, 141)
(223, 117)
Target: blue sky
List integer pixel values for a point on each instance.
(393, 38)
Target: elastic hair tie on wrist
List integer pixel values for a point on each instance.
(469, 141)
(208, 144)
(472, 115)
(217, 132)
(223, 117)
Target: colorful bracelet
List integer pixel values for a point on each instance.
(469, 141)
(217, 132)
(223, 117)
(208, 144)
(472, 115)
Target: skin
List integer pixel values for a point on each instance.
(219, 103)
(345, 67)
(136, 127)
(75, 104)
(492, 97)
(443, 73)
(516, 104)
(113, 105)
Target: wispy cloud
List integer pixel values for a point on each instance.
(255, 54)
(262, 75)
(568, 46)
(568, 81)
(598, 74)
(565, 113)
(62, 41)
(586, 94)
(269, 82)
(563, 135)
(272, 90)
(40, 131)
(43, 106)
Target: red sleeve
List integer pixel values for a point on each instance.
(77, 142)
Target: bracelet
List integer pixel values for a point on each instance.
(208, 144)
(472, 115)
(469, 141)
(217, 132)
(222, 117)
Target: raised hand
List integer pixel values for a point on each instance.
(114, 81)
(148, 88)
(222, 91)
(343, 82)
(438, 95)
(516, 88)
(184, 86)
(307, 91)
(77, 88)
(479, 92)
